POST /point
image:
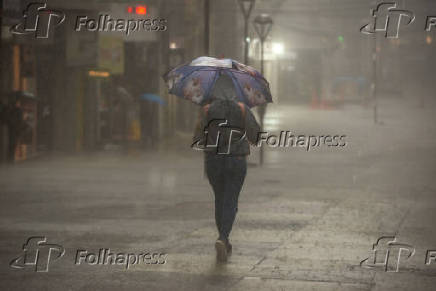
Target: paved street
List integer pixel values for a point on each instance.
(306, 218)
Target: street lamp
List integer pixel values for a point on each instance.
(246, 8)
(262, 24)
(278, 48)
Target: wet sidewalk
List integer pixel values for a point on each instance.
(306, 218)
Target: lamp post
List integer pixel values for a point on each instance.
(262, 24)
(374, 80)
(206, 26)
(246, 8)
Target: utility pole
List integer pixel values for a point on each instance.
(206, 27)
(2, 135)
(262, 25)
(374, 80)
(1, 53)
(246, 8)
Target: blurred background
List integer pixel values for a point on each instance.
(82, 90)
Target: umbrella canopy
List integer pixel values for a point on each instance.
(224, 88)
(196, 81)
(153, 98)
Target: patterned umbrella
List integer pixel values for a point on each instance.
(195, 81)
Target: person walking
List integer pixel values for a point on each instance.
(225, 128)
(226, 90)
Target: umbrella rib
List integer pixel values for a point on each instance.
(211, 84)
(184, 77)
(235, 81)
(260, 77)
(256, 78)
(190, 73)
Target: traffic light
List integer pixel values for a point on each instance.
(139, 10)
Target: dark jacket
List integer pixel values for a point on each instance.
(225, 128)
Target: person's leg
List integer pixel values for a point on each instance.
(235, 172)
(214, 171)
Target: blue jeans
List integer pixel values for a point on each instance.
(226, 175)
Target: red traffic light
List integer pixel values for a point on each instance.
(140, 10)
